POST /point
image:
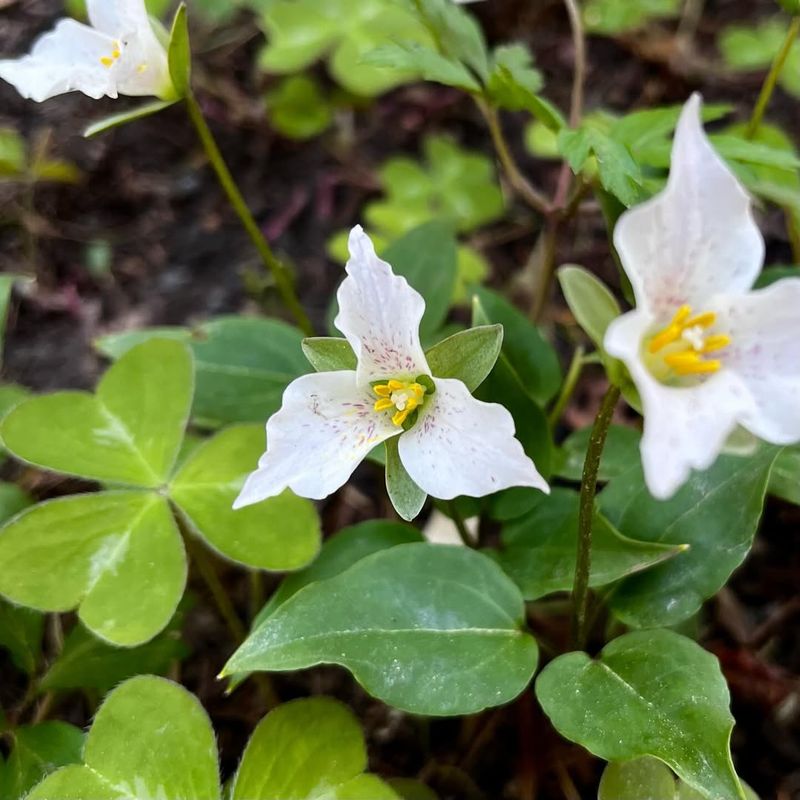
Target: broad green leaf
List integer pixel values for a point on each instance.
(426, 258)
(640, 779)
(716, 513)
(620, 451)
(307, 749)
(514, 83)
(298, 109)
(38, 750)
(329, 354)
(86, 662)
(528, 352)
(21, 634)
(115, 120)
(410, 789)
(242, 365)
(281, 533)
(540, 548)
(129, 432)
(12, 500)
(150, 739)
(649, 693)
(10, 395)
(590, 301)
(407, 498)
(784, 480)
(339, 553)
(97, 551)
(468, 355)
(179, 53)
(612, 17)
(429, 629)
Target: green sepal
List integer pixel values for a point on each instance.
(427, 382)
(468, 356)
(116, 120)
(329, 354)
(407, 498)
(179, 53)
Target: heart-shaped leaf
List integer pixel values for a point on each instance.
(307, 749)
(716, 513)
(99, 552)
(281, 533)
(129, 432)
(150, 738)
(430, 629)
(650, 693)
(541, 547)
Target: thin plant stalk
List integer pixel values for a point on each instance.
(280, 274)
(583, 562)
(568, 387)
(771, 80)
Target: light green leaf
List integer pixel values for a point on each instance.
(620, 451)
(129, 432)
(21, 634)
(281, 533)
(784, 480)
(89, 663)
(329, 354)
(97, 551)
(540, 548)
(307, 749)
(13, 153)
(407, 498)
(590, 301)
(514, 83)
(179, 53)
(150, 739)
(716, 513)
(649, 693)
(613, 17)
(429, 629)
(12, 500)
(115, 120)
(298, 109)
(468, 356)
(641, 779)
(37, 751)
(242, 365)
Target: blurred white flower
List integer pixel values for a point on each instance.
(706, 353)
(450, 443)
(118, 54)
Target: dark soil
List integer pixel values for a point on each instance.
(179, 256)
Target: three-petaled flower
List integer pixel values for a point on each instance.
(119, 54)
(449, 443)
(705, 352)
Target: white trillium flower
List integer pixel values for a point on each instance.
(705, 352)
(449, 443)
(118, 54)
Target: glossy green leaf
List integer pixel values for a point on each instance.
(129, 432)
(179, 53)
(86, 662)
(12, 500)
(407, 498)
(123, 118)
(307, 749)
(784, 480)
(640, 779)
(10, 395)
(150, 738)
(21, 634)
(37, 751)
(648, 693)
(281, 533)
(540, 548)
(298, 108)
(468, 355)
(429, 629)
(590, 301)
(329, 354)
(242, 365)
(620, 452)
(97, 551)
(716, 513)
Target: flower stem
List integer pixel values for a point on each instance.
(772, 78)
(583, 563)
(461, 527)
(279, 272)
(568, 387)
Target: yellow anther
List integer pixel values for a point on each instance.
(717, 342)
(382, 390)
(383, 404)
(704, 320)
(400, 417)
(403, 397)
(673, 331)
(106, 61)
(116, 54)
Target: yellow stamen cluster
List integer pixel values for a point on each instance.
(403, 396)
(108, 61)
(686, 342)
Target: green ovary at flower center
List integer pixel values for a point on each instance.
(400, 397)
(686, 348)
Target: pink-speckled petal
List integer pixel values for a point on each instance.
(379, 314)
(324, 429)
(462, 446)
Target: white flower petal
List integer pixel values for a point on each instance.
(64, 60)
(324, 429)
(117, 17)
(697, 237)
(379, 314)
(462, 446)
(765, 353)
(685, 428)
